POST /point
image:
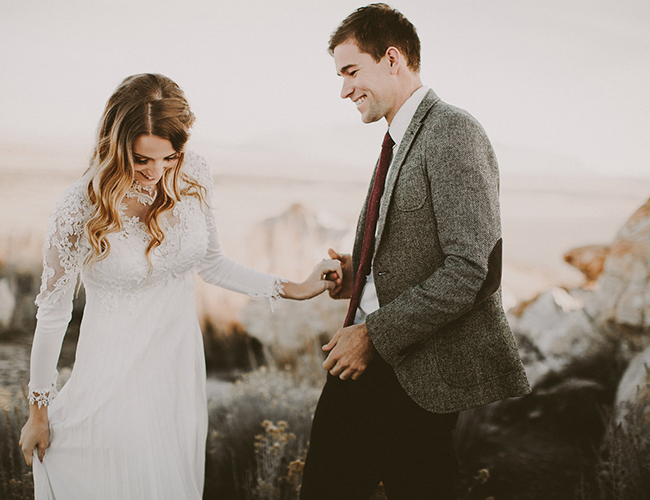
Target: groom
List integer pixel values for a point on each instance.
(426, 335)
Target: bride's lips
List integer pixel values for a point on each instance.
(146, 176)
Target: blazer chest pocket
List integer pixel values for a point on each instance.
(411, 190)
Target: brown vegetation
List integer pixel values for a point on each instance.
(556, 443)
(16, 481)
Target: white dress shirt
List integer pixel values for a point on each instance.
(369, 301)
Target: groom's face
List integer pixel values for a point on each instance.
(366, 82)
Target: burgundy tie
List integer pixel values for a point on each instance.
(372, 214)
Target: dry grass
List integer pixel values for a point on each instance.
(623, 471)
(258, 434)
(230, 351)
(250, 457)
(276, 472)
(16, 481)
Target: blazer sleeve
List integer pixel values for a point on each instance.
(464, 186)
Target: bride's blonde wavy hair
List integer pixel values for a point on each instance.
(148, 104)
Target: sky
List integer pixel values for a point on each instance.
(560, 86)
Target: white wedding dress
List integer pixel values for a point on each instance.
(131, 422)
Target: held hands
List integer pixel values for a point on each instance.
(350, 352)
(35, 435)
(327, 275)
(344, 290)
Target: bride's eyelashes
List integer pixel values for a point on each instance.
(144, 161)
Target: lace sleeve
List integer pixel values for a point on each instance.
(62, 258)
(218, 269)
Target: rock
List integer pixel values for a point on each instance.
(574, 344)
(14, 374)
(616, 295)
(289, 245)
(589, 260)
(633, 394)
(554, 332)
(294, 324)
(18, 288)
(622, 293)
(7, 304)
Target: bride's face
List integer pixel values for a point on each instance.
(152, 155)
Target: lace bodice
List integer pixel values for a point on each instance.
(191, 243)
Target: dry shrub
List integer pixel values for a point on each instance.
(276, 472)
(16, 481)
(231, 351)
(233, 469)
(535, 447)
(23, 286)
(305, 363)
(623, 472)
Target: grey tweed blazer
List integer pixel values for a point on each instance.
(437, 266)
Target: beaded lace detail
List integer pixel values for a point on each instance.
(42, 398)
(63, 245)
(277, 293)
(144, 194)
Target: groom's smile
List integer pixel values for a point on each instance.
(366, 82)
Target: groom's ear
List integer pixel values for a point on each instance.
(394, 58)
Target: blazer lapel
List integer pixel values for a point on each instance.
(405, 145)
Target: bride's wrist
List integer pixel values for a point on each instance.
(38, 414)
(295, 291)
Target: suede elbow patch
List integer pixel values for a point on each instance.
(493, 278)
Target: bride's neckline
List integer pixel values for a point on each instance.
(143, 194)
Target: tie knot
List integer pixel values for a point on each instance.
(388, 141)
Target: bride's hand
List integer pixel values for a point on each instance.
(35, 435)
(326, 275)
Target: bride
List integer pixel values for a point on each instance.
(131, 422)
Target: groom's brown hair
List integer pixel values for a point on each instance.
(376, 27)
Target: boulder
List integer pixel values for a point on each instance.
(633, 394)
(622, 293)
(289, 245)
(589, 260)
(18, 288)
(575, 344)
(554, 332)
(7, 304)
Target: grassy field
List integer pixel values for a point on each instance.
(259, 436)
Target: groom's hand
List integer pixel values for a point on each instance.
(350, 351)
(344, 290)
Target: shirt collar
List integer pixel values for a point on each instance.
(405, 114)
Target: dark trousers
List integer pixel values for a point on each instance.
(369, 430)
